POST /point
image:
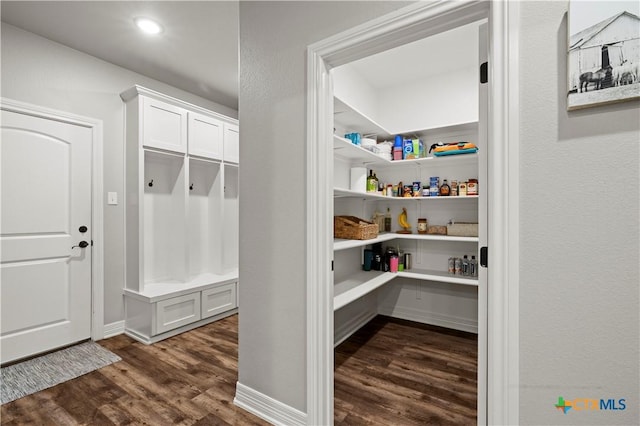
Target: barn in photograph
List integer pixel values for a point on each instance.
(609, 50)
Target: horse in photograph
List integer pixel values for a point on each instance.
(602, 78)
(627, 73)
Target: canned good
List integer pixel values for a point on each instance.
(458, 266)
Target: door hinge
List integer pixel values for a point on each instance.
(484, 72)
(484, 256)
(332, 265)
(91, 243)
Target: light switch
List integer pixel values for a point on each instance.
(112, 198)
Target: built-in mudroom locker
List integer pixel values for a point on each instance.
(181, 215)
(408, 158)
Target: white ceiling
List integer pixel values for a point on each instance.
(448, 51)
(197, 52)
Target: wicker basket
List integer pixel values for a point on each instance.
(353, 228)
(462, 229)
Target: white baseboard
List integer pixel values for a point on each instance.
(113, 329)
(345, 330)
(431, 318)
(267, 408)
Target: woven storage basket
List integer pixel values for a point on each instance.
(462, 229)
(353, 228)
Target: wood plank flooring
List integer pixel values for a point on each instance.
(395, 372)
(189, 379)
(391, 372)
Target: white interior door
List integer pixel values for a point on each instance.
(46, 205)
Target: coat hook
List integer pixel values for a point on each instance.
(151, 182)
(191, 187)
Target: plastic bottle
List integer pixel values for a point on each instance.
(387, 221)
(473, 267)
(465, 266)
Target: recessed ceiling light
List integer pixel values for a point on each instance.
(148, 26)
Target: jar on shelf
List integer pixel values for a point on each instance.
(422, 226)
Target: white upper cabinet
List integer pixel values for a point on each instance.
(164, 126)
(231, 143)
(205, 136)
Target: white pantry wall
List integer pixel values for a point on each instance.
(404, 106)
(41, 72)
(579, 238)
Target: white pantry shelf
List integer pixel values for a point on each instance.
(358, 285)
(347, 193)
(364, 282)
(346, 149)
(342, 244)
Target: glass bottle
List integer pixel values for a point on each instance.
(387, 221)
(445, 189)
(372, 184)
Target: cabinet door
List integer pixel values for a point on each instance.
(218, 300)
(205, 136)
(231, 143)
(164, 126)
(176, 312)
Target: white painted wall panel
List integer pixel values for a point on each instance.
(579, 247)
(273, 41)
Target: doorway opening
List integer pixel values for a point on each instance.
(405, 26)
(425, 92)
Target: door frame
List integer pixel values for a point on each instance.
(499, 405)
(97, 204)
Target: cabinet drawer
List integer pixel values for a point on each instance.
(176, 312)
(218, 300)
(231, 143)
(164, 126)
(205, 136)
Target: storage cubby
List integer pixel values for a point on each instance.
(181, 225)
(205, 222)
(163, 220)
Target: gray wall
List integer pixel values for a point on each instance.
(41, 72)
(579, 324)
(579, 247)
(273, 41)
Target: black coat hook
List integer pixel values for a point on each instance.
(151, 183)
(191, 187)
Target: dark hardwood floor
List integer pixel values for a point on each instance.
(189, 379)
(395, 372)
(391, 372)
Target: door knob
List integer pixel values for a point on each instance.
(81, 244)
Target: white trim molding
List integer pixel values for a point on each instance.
(113, 329)
(503, 170)
(97, 202)
(408, 24)
(267, 408)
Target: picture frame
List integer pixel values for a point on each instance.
(603, 53)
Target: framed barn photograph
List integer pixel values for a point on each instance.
(603, 53)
